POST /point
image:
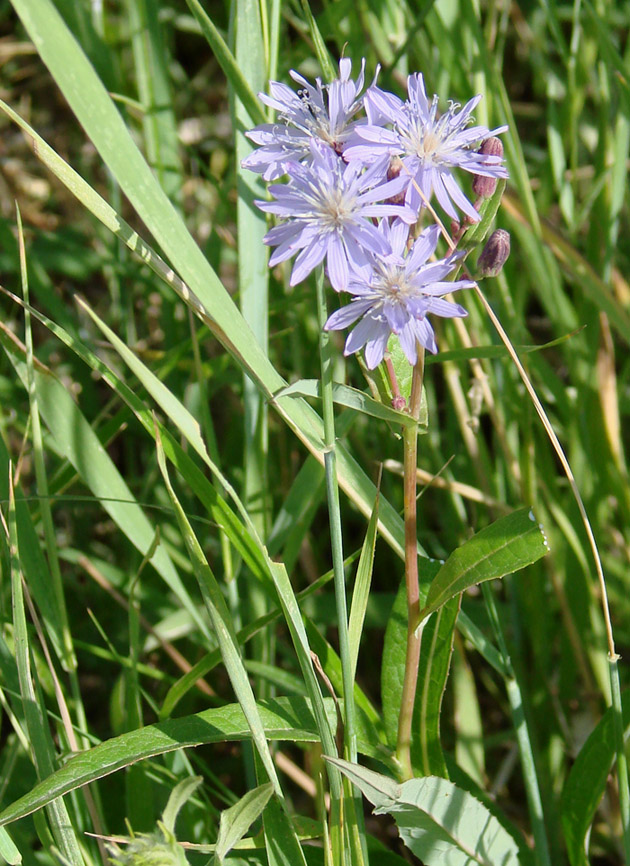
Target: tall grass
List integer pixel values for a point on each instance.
(169, 609)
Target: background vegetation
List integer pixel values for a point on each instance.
(113, 615)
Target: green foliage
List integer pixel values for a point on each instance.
(167, 610)
(507, 545)
(436, 820)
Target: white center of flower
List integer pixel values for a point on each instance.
(392, 285)
(334, 208)
(424, 143)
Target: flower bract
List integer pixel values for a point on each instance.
(399, 293)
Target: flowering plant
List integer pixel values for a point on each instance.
(357, 192)
(356, 184)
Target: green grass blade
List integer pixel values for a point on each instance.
(222, 627)
(361, 591)
(228, 63)
(155, 93)
(253, 283)
(40, 740)
(77, 442)
(253, 273)
(236, 821)
(8, 849)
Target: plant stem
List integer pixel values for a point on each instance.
(332, 493)
(622, 761)
(410, 444)
(354, 850)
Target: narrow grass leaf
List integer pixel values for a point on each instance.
(8, 848)
(361, 591)
(227, 62)
(439, 822)
(321, 51)
(179, 796)
(39, 736)
(286, 719)
(507, 545)
(236, 821)
(293, 617)
(222, 627)
(486, 649)
(253, 271)
(56, 616)
(152, 74)
(79, 444)
(281, 842)
(331, 665)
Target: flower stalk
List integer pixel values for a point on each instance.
(414, 634)
(334, 513)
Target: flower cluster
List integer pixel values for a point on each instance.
(361, 166)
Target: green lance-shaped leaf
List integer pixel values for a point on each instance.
(351, 398)
(287, 719)
(8, 850)
(394, 650)
(236, 821)
(586, 783)
(439, 822)
(179, 796)
(435, 664)
(505, 546)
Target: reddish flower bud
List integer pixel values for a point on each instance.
(494, 254)
(393, 170)
(484, 187)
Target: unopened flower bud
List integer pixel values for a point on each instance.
(394, 168)
(393, 171)
(494, 254)
(484, 187)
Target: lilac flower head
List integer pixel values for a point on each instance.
(398, 295)
(430, 146)
(319, 111)
(328, 206)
